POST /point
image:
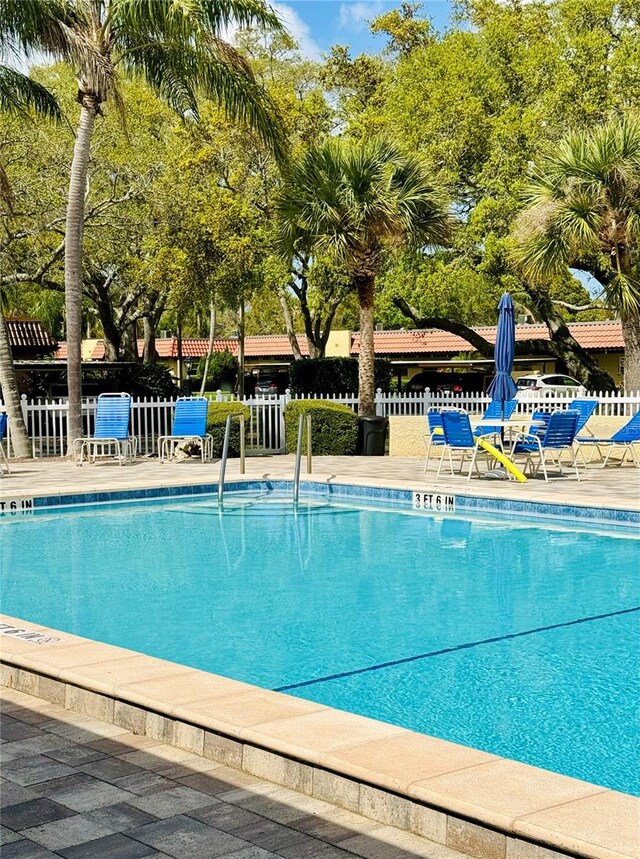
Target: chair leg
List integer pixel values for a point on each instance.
(3, 455)
(444, 450)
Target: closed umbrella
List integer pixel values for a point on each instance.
(502, 387)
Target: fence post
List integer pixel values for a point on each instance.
(378, 402)
(218, 396)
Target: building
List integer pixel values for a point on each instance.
(410, 351)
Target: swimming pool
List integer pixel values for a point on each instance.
(518, 638)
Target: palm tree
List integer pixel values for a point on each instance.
(355, 202)
(583, 211)
(18, 94)
(177, 48)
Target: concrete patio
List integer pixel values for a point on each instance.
(615, 487)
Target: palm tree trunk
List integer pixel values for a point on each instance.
(631, 336)
(212, 334)
(366, 378)
(73, 264)
(11, 395)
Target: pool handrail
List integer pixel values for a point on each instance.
(225, 453)
(298, 463)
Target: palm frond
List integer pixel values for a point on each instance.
(20, 93)
(351, 200)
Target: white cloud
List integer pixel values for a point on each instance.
(356, 16)
(298, 30)
(295, 26)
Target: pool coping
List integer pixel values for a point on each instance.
(337, 489)
(477, 803)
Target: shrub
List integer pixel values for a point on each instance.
(216, 420)
(334, 427)
(223, 370)
(334, 375)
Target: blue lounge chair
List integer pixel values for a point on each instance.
(586, 407)
(459, 438)
(501, 412)
(624, 439)
(556, 438)
(435, 436)
(3, 456)
(189, 424)
(111, 432)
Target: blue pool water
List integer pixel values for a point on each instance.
(521, 639)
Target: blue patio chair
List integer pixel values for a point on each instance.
(189, 424)
(586, 407)
(111, 432)
(624, 439)
(3, 456)
(435, 436)
(459, 438)
(556, 438)
(500, 411)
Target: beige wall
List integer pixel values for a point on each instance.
(338, 345)
(406, 432)
(610, 362)
(87, 348)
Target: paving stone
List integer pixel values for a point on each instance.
(65, 833)
(124, 743)
(143, 783)
(167, 803)
(314, 849)
(12, 731)
(27, 849)
(83, 792)
(111, 847)
(7, 836)
(33, 813)
(185, 838)
(33, 770)
(225, 816)
(12, 794)
(273, 836)
(41, 744)
(220, 780)
(121, 817)
(335, 828)
(252, 852)
(75, 756)
(110, 769)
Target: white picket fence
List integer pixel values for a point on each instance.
(46, 420)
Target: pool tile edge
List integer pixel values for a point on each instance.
(448, 820)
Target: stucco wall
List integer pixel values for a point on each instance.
(406, 432)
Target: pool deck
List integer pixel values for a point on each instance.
(459, 799)
(613, 487)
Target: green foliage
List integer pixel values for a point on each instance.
(334, 375)
(216, 421)
(223, 370)
(334, 427)
(148, 380)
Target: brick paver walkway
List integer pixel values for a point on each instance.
(74, 787)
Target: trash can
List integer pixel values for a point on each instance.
(372, 436)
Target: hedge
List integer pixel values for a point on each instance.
(334, 427)
(334, 375)
(216, 420)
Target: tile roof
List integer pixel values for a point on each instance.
(430, 341)
(590, 335)
(29, 334)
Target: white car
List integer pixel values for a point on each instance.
(535, 384)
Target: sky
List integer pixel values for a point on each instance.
(318, 24)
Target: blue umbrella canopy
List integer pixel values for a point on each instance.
(502, 387)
